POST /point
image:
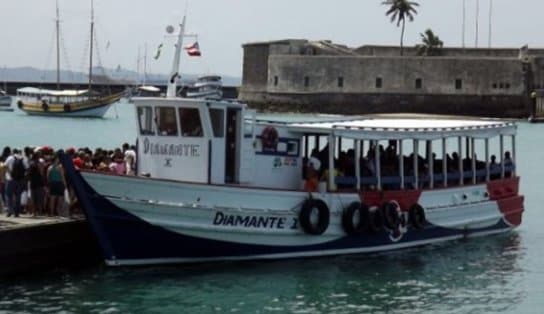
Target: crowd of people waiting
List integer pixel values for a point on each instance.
(32, 180)
(317, 166)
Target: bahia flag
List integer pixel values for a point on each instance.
(193, 50)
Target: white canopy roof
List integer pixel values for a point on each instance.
(406, 128)
(49, 92)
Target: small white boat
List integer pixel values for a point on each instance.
(217, 182)
(5, 101)
(209, 87)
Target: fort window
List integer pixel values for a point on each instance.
(507, 85)
(494, 85)
(419, 83)
(458, 84)
(306, 81)
(379, 82)
(275, 81)
(340, 81)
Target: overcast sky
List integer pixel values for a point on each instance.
(27, 28)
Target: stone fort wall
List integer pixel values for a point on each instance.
(297, 75)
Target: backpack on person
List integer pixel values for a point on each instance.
(18, 170)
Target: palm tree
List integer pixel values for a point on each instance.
(399, 10)
(430, 44)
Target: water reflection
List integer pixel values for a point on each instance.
(479, 275)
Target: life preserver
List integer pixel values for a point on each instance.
(416, 214)
(269, 138)
(67, 108)
(391, 214)
(375, 220)
(45, 106)
(355, 218)
(307, 216)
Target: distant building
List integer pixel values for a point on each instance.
(302, 75)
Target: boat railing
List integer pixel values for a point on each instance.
(438, 178)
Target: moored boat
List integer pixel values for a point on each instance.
(64, 103)
(67, 103)
(218, 182)
(5, 101)
(209, 86)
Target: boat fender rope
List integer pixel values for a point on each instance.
(416, 215)
(307, 216)
(355, 218)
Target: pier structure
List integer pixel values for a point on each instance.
(321, 76)
(32, 244)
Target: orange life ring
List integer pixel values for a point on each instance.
(269, 138)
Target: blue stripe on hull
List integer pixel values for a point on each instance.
(124, 236)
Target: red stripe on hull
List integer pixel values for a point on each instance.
(505, 192)
(500, 189)
(512, 209)
(405, 198)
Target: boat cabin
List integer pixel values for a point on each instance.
(32, 94)
(222, 142)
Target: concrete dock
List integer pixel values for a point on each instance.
(32, 244)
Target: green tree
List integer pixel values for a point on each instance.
(399, 10)
(430, 44)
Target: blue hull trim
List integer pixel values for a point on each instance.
(123, 236)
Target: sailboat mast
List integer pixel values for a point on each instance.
(91, 49)
(145, 64)
(57, 24)
(174, 73)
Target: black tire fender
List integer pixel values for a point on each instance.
(349, 222)
(391, 214)
(309, 208)
(416, 215)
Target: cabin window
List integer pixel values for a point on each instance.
(191, 125)
(217, 116)
(165, 117)
(145, 120)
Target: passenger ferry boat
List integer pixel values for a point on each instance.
(209, 87)
(72, 102)
(217, 182)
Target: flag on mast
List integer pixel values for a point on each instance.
(158, 53)
(193, 50)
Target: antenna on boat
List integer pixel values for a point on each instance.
(174, 73)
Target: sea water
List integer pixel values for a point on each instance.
(496, 274)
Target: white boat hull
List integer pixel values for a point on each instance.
(148, 221)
